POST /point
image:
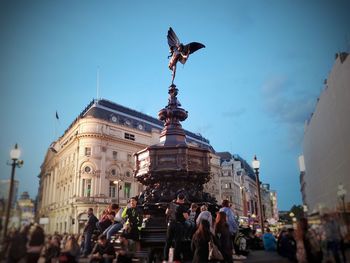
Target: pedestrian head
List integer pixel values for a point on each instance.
(71, 243)
(90, 211)
(114, 206)
(203, 230)
(225, 203)
(194, 206)
(111, 215)
(290, 231)
(123, 237)
(133, 201)
(102, 239)
(221, 218)
(181, 197)
(204, 208)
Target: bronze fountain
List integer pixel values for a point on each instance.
(173, 165)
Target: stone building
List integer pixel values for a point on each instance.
(238, 184)
(326, 159)
(269, 203)
(229, 182)
(91, 164)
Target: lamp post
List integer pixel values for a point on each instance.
(256, 167)
(15, 153)
(341, 194)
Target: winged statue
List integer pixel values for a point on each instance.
(179, 51)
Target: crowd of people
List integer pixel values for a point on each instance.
(311, 243)
(193, 226)
(31, 245)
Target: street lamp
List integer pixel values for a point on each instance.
(341, 194)
(15, 153)
(116, 182)
(256, 167)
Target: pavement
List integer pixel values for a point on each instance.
(260, 256)
(256, 256)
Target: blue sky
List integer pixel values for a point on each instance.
(249, 91)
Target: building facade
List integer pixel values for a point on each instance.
(327, 142)
(269, 203)
(91, 164)
(230, 182)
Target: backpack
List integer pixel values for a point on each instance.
(240, 242)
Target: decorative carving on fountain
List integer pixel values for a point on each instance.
(173, 166)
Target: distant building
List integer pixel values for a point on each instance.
(230, 182)
(249, 190)
(269, 202)
(26, 209)
(91, 164)
(5, 189)
(238, 184)
(327, 142)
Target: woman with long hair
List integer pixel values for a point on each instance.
(71, 251)
(222, 232)
(199, 244)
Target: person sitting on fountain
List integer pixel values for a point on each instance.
(191, 221)
(133, 218)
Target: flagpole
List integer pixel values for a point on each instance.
(97, 83)
(55, 134)
(56, 121)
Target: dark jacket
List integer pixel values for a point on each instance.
(225, 242)
(104, 249)
(200, 248)
(91, 224)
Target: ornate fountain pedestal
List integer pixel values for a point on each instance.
(173, 166)
(168, 168)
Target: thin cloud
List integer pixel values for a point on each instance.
(283, 103)
(234, 113)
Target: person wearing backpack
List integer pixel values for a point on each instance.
(177, 216)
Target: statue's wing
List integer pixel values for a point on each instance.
(173, 40)
(194, 46)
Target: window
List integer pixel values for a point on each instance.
(129, 136)
(112, 189)
(113, 172)
(127, 122)
(115, 155)
(127, 174)
(129, 157)
(127, 190)
(87, 151)
(86, 189)
(87, 169)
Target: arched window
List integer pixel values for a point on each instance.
(87, 169)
